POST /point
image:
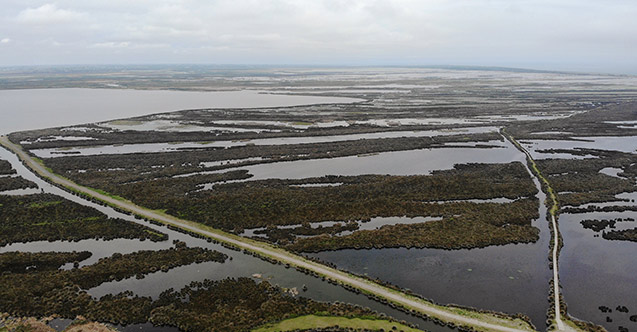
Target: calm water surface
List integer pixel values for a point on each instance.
(611, 143)
(44, 108)
(410, 162)
(597, 272)
(512, 278)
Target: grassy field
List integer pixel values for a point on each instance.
(313, 321)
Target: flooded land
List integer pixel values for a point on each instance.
(411, 177)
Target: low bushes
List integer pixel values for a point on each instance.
(50, 217)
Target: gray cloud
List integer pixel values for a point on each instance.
(561, 34)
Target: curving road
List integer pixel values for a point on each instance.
(443, 313)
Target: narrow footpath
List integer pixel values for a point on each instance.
(560, 326)
(479, 321)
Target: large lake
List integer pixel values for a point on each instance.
(44, 108)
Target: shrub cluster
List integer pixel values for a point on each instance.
(5, 168)
(50, 291)
(50, 217)
(224, 305)
(15, 182)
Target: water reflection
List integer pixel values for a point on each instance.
(610, 143)
(45, 108)
(411, 162)
(597, 272)
(510, 278)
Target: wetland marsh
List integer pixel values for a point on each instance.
(403, 178)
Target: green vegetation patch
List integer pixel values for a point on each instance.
(237, 305)
(49, 217)
(125, 123)
(105, 193)
(495, 225)
(38, 205)
(310, 322)
(579, 181)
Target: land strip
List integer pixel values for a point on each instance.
(555, 245)
(479, 321)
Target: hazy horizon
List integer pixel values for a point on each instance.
(567, 35)
(238, 66)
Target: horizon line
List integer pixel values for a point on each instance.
(335, 66)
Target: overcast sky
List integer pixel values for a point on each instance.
(580, 35)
